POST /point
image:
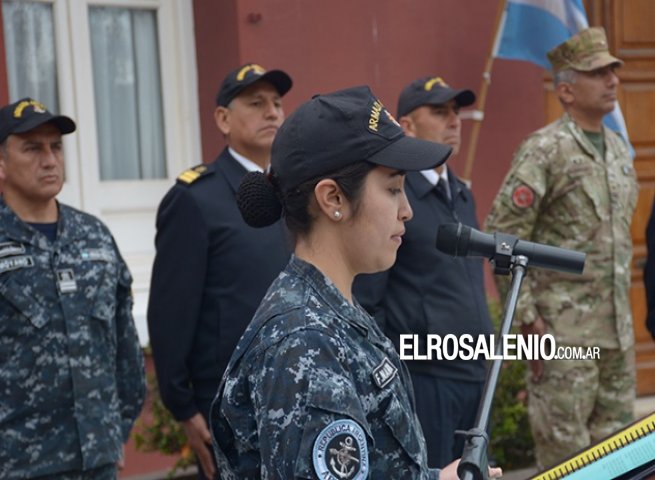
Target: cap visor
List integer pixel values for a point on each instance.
(63, 123)
(600, 60)
(410, 153)
(279, 79)
(464, 98)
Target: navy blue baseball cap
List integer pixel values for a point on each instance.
(431, 91)
(26, 114)
(333, 131)
(244, 76)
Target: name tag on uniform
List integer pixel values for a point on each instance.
(14, 263)
(66, 282)
(98, 255)
(11, 248)
(384, 373)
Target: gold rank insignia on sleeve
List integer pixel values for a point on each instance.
(192, 174)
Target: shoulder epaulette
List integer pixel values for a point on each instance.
(191, 175)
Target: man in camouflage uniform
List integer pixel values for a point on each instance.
(71, 368)
(572, 184)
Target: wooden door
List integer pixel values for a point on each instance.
(630, 26)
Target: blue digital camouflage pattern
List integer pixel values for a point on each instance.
(71, 368)
(307, 360)
(107, 472)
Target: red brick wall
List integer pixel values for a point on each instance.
(327, 45)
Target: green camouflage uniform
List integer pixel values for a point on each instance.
(560, 191)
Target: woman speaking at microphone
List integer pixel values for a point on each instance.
(314, 390)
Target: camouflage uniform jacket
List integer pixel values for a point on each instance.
(71, 368)
(560, 191)
(307, 361)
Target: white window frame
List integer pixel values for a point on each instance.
(180, 104)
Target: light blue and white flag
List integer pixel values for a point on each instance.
(530, 28)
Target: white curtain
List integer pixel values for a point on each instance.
(30, 49)
(127, 90)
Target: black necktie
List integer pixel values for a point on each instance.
(443, 191)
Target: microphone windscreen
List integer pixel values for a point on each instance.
(257, 201)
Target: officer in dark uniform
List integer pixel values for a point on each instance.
(429, 292)
(211, 270)
(314, 389)
(649, 272)
(71, 367)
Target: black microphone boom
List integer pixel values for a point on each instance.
(461, 241)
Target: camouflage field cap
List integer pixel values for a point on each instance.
(585, 51)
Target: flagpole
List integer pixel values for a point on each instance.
(478, 115)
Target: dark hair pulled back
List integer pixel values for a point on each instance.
(262, 203)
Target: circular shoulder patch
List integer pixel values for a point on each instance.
(340, 452)
(523, 197)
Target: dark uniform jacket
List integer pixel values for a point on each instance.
(649, 273)
(71, 367)
(429, 292)
(211, 271)
(315, 390)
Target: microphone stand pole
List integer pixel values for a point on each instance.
(474, 462)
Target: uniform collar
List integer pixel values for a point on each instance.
(231, 168)
(20, 231)
(422, 186)
(330, 294)
(321, 284)
(15, 228)
(433, 177)
(68, 228)
(581, 138)
(246, 163)
(419, 184)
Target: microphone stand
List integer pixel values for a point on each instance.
(474, 463)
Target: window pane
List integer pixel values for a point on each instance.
(30, 48)
(128, 99)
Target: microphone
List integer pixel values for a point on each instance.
(461, 241)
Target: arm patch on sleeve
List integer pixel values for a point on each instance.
(341, 452)
(523, 196)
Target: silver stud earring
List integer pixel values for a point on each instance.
(337, 214)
